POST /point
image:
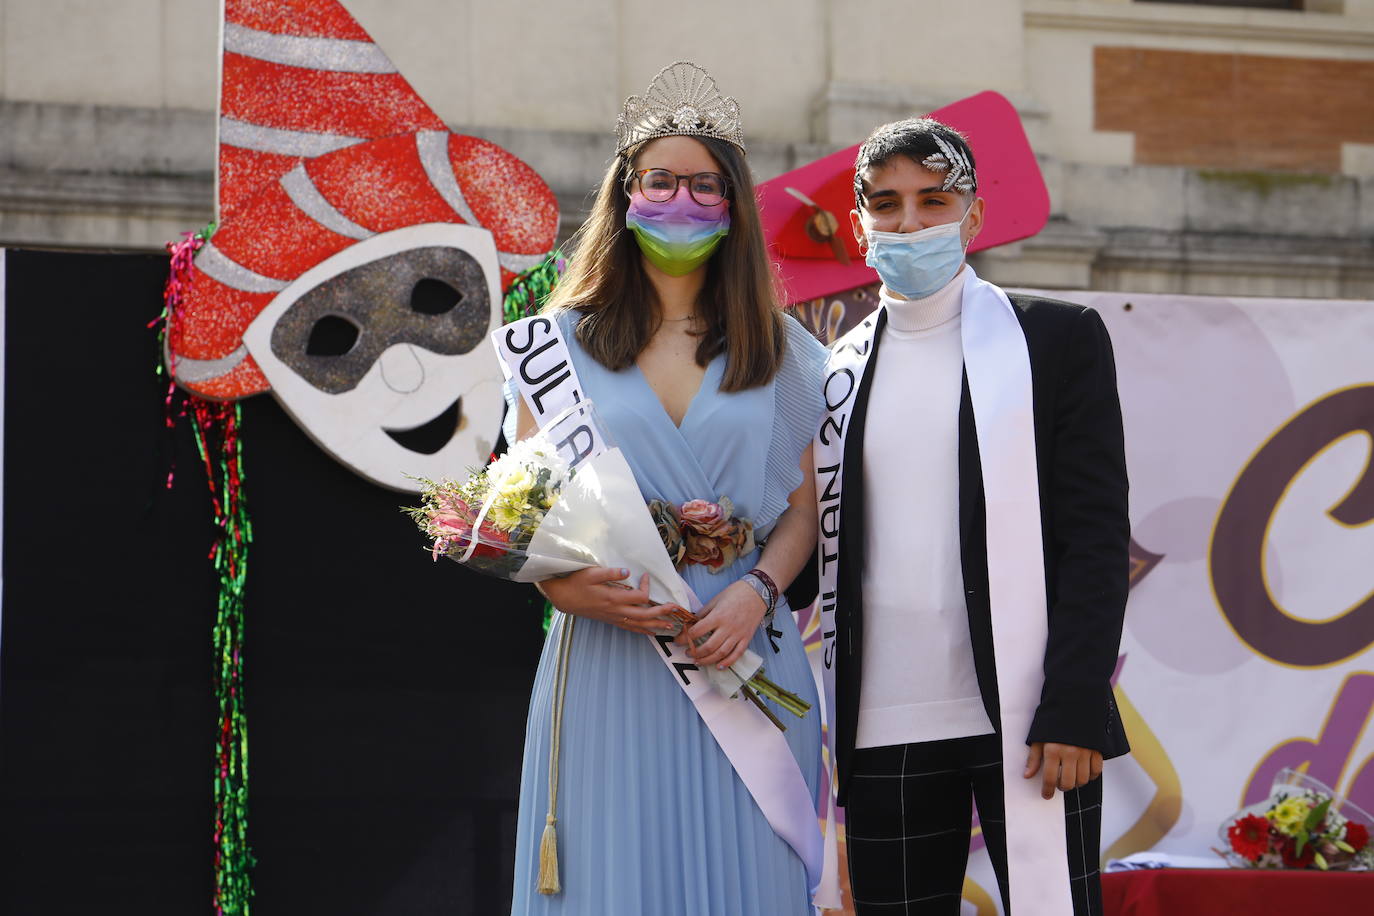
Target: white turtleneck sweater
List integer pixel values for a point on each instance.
(918, 677)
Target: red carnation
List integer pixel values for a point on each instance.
(1291, 859)
(1249, 836)
(1357, 835)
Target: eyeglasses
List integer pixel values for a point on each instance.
(660, 185)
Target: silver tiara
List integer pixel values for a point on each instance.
(960, 175)
(682, 101)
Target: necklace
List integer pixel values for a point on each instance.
(685, 318)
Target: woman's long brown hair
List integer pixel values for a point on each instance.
(607, 283)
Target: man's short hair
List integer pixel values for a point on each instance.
(914, 138)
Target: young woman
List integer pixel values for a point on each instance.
(670, 314)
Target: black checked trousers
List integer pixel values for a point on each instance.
(909, 816)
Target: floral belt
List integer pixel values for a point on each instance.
(705, 533)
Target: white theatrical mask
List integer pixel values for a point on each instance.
(393, 377)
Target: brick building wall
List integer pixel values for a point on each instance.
(1234, 111)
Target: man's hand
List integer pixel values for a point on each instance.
(1064, 765)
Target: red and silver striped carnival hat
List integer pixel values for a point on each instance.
(322, 143)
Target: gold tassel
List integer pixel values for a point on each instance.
(548, 843)
(548, 859)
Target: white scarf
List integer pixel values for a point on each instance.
(999, 376)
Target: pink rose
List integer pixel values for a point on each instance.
(704, 517)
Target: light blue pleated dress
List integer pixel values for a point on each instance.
(652, 819)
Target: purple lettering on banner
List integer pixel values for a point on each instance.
(1327, 757)
(1237, 549)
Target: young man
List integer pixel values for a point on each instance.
(974, 556)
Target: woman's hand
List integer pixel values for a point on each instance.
(597, 593)
(729, 620)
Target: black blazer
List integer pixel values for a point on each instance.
(1083, 511)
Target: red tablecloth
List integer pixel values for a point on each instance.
(1223, 891)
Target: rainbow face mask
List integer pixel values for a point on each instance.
(678, 235)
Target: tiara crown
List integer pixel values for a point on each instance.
(682, 101)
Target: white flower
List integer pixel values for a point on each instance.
(532, 455)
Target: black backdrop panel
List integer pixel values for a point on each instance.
(386, 694)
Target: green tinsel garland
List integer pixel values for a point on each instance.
(223, 460)
(216, 427)
(529, 291)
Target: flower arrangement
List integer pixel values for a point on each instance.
(702, 532)
(487, 521)
(1301, 825)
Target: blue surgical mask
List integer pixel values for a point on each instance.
(916, 264)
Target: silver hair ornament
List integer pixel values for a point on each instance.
(959, 174)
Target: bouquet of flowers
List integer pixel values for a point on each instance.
(1303, 824)
(565, 499)
(487, 521)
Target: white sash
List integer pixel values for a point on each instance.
(533, 353)
(998, 366)
(843, 372)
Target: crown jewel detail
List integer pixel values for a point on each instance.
(681, 101)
